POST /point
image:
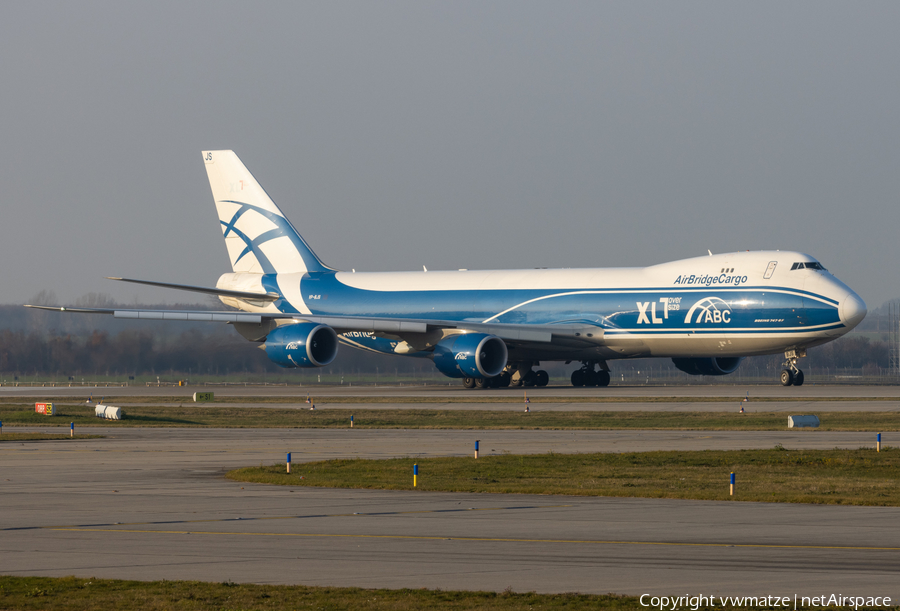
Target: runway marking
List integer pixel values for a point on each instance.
(478, 539)
(324, 515)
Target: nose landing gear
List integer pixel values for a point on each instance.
(791, 375)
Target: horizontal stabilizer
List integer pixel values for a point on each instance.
(207, 290)
(183, 315)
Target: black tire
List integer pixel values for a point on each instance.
(787, 377)
(590, 378)
(504, 380)
(541, 378)
(603, 378)
(529, 379)
(482, 383)
(469, 382)
(798, 378)
(577, 378)
(494, 382)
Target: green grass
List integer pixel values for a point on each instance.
(197, 415)
(77, 594)
(70, 593)
(320, 395)
(850, 477)
(9, 437)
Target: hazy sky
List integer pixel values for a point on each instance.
(454, 134)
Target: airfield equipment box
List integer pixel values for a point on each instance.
(48, 409)
(203, 396)
(803, 421)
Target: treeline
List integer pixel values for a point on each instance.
(852, 352)
(223, 352)
(133, 352)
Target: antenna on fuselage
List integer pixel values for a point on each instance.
(709, 251)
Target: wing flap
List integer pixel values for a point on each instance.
(188, 316)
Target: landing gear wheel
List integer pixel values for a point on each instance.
(787, 377)
(590, 378)
(798, 378)
(469, 382)
(578, 378)
(529, 379)
(602, 378)
(503, 380)
(482, 383)
(541, 378)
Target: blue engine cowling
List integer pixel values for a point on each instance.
(304, 344)
(471, 355)
(715, 366)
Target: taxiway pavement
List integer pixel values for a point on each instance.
(153, 504)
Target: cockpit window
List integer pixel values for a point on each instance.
(808, 265)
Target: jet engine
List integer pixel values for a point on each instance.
(471, 355)
(304, 344)
(715, 366)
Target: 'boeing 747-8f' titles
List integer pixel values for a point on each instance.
(494, 328)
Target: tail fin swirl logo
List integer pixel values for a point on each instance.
(709, 310)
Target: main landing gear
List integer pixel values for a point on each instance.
(514, 375)
(521, 374)
(586, 376)
(791, 375)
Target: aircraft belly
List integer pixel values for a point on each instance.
(732, 345)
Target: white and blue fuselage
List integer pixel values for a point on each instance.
(737, 304)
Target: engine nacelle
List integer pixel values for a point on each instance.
(714, 366)
(304, 344)
(471, 355)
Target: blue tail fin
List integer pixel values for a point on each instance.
(257, 235)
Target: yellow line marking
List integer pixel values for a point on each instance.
(476, 539)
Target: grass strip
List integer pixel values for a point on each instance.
(321, 396)
(834, 477)
(74, 594)
(77, 594)
(9, 437)
(261, 417)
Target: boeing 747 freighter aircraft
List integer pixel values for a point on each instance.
(493, 328)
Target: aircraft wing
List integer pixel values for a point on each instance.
(401, 327)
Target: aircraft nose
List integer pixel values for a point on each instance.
(853, 310)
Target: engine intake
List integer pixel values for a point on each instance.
(304, 344)
(714, 366)
(471, 355)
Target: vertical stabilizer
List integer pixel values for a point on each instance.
(257, 235)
